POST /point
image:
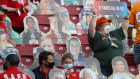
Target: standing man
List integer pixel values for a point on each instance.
(134, 22)
(17, 10)
(12, 72)
(46, 63)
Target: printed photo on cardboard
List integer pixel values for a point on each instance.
(88, 4)
(61, 26)
(84, 17)
(87, 73)
(120, 69)
(94, 64)
(74, 47)
(12, 35)
(48, 6)
(31, 33)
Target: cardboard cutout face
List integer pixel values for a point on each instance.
(31, 33)
(48, 6)
(82, 26)
(56, 74)
(94, 64)
(61, 26)
(47, 43)
(73, 45)
(87, 73)
(120, 69)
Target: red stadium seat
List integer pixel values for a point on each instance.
(26, 49)
(27, 60)
(44, 28)
(26, 53)
(130, 59)
(60, 48)
(43, 19)
(73, 9)
(86, 49)
(74, 18)
(133, 70)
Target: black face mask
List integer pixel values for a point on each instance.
(5, 66)
(50, 64)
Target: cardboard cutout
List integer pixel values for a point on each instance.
(61, 26)
(4, 44)
(82, 26)
(87, 73)
(88, 4)
(94, 64)
(120, 69)
(48, 6)
(12, 35)
(31, 33)
(48, 45)
(56, 74)
(73, 45)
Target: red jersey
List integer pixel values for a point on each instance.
(13, 73)
(3, 26)
(17, 20)
(134, 21)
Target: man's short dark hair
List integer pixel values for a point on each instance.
(44, 55)
(13, 59)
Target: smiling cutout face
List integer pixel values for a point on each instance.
(119, 66)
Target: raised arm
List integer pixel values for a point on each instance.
(92, 24)
(9, 8)
(125, 23)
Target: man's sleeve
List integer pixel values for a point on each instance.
(132, 18)
(26, 3)
(4, 2)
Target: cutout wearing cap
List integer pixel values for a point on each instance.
(102, 20)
